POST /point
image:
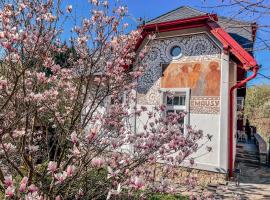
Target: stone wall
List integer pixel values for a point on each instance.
(201, 177)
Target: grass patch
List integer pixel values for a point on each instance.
(168, 197)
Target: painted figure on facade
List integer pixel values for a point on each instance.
(194, 75)
(212, 80)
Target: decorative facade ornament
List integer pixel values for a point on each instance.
(195, 47)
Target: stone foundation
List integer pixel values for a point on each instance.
(203, 178)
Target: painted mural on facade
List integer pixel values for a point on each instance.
(202, 77)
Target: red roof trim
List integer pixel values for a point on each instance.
(244, 57)
(174, 23)
(227, 41)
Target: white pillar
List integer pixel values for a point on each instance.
(224, 113)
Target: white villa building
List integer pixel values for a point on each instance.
(203, 59)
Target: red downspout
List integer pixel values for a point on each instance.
(238, 85)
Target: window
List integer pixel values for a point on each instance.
(118, 100)
(177, 102)
(109, 101)
(240, 103)
(176, 52)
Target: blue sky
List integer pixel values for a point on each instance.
(148, 9)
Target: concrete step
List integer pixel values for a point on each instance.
(256, 157)
(248, 153)
(241, 151)
(247, 160)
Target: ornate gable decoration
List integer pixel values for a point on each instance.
(191, 46)
(195, 47)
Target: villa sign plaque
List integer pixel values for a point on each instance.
(205, 105)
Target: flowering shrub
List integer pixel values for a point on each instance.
(58, 140)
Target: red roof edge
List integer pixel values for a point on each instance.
(165, 25)
(240, 53)
(174, 25)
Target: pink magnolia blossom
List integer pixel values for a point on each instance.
(137, 182)
(55, 69)
(91, 135)
(18, 133)
(52, 166)
(32, 188)
(34, 196)
(75, 151)
(60, 177)
(82, 40)
(49, 17)
(23, 184)
(121, 10)
(69, 8)
(2, 34)
(3, 84)
(74, 138)
(106, 3)
(58, 197)
(98, 162)
(22, 6)
(70, 170)
(10, 192)
(95, 2)
(41, 76)
(8, 181)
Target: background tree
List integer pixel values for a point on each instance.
(257, 109)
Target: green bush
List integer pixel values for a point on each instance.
(167, 197)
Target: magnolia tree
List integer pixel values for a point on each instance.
(59, 137)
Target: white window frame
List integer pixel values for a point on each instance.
(186, 108)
